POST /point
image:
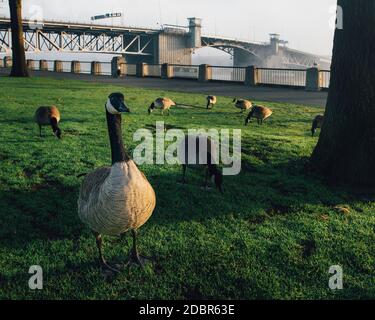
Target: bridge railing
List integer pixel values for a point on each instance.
(152, 70)
(325, 78)
(282, 77)
(233, 74)
(131, 69)
(185, 72)
(311, 79)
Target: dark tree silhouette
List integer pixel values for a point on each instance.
(345, 152)
(19, 67)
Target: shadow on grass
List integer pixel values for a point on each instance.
(30, 120)
(48, 211)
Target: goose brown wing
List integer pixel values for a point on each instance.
(93, 182)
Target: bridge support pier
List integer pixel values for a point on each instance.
(30, 64)
(75, 67)
(58, 66)
(96, 68)
(43, 65)
(205, 73)
(313, 79)
(251, 77)
(118, 67)
(8, 62)
(166, 71)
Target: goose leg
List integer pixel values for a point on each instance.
(206, 186)
(135, 257)
(103, 262)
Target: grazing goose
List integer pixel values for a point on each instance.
(163, 104)
(260, 113)
(242, 104)
(202, 155)
(118, 198)
(317, 123)
(211, 101)
(48, 116)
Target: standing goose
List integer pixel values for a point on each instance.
(317, 123)
(242, 104)
(199, 150)
(118, 198)
(163, 104)
(260, 113)
(48, 116)
(211, 101)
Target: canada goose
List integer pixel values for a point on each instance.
(317, 123)
(211, 101)
(242, 104)
(162, 104)
(48, 116)
(118, 198)
(260, 113)
(203, 154)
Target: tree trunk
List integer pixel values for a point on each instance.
(19, 67)
(345, 152)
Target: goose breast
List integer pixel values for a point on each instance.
(116, 199)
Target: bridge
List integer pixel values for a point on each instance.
(170, 44)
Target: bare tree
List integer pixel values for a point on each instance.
(19, 67)
(346, 148)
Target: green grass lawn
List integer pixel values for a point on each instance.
(273, 235)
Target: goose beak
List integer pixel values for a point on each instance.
(117, 101)
(123, 108)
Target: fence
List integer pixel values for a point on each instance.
(282, 77)
(131, 69)
(228, 74)
(320, 79)
(153, 70)
(325, 78)
(185, 72)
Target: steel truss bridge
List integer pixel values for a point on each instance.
(142, 44)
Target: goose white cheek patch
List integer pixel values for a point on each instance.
(110, 108)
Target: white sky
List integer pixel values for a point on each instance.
(304, 23)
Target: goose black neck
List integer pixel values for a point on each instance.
(115, 136)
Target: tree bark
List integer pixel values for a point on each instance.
(19, 67)
(345, 152)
